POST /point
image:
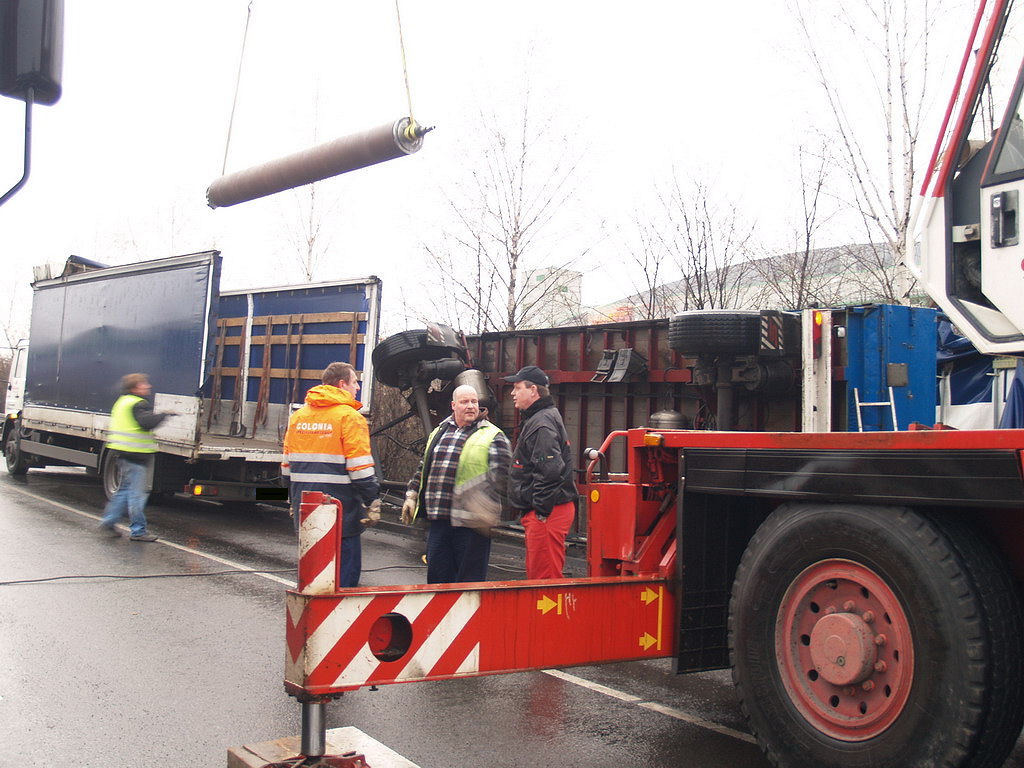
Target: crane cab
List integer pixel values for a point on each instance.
(966, 246)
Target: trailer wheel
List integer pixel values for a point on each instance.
(17, 462)
(715, 331)
(394, 357)
(859, 636)
(111, 474)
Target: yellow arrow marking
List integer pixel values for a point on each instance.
(545, 604)
(648, 596)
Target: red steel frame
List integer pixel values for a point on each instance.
(626, 610)
(343, 639)
(943, 155)
(375, 636)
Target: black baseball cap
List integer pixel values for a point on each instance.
(530, 373)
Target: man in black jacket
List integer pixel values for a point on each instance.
(541, 485)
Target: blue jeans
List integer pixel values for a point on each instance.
(456, 554)
(351, 561)
(130, 497)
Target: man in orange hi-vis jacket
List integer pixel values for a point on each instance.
(327, 448)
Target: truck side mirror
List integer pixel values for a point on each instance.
(31, 49)
(31, 55)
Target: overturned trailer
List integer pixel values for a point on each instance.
(865, 368)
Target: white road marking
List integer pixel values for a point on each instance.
(597, 687)
(181, 547)
(652, 705)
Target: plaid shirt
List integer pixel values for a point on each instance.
(440, 482)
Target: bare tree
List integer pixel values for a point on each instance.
(305, 222)
(892, 40)
(806, 275)
(465, 294)
(654, 299)
(171, 225)
(709, 242)
(873, 273)
(306, 232)
(15, 325)
(504, 227)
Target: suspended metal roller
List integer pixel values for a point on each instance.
(342, 155)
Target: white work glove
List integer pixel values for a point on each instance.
(409, 507)
(372, 513)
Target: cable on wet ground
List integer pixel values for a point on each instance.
(130, 576)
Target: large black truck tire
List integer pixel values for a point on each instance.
(17, 462)
(716, 332)
(1004, 631)
(730, 332)
(876, 636)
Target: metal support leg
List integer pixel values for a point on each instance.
(314, 729)
(420, 393)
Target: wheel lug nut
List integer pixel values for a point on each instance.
(849, 690)
(868, 617)
(881, 666)
(868, 685)
(879, 639)
(848, 606)
(830, 610)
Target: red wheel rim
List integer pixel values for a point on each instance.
(845, 650)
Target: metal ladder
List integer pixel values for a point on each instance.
(891, 402)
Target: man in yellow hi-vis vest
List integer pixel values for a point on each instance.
(461, 485)
(133, 445)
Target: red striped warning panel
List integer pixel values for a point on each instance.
(372, 635)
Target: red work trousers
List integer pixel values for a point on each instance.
(545, 541)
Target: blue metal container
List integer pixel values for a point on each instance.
(890, 349)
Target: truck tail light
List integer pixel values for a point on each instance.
(816, 335)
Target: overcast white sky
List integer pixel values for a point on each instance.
(121, 163)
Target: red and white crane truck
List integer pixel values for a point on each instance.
(864, 587)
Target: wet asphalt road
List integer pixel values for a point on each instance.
(173, 671)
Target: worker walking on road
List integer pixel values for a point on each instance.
(461, 484)
(133, 447)
(541, 484)
(327, 449)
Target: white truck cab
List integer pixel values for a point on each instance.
(15, 396)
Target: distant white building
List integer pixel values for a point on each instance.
(838, 276)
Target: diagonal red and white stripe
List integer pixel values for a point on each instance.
(318, 549)
(444, 631)
(445, 640)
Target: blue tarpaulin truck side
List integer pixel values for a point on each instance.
(229, 365)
